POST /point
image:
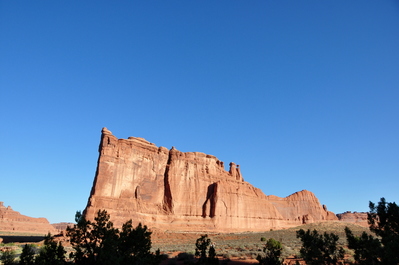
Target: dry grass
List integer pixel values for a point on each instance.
(241, 246)
(249, 245)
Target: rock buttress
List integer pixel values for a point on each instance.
(187, 191)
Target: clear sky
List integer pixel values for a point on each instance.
(300, 94)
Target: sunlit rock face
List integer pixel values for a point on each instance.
(13, 221)
(192, 191)
(358, 218)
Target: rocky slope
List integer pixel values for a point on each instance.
(12, 221)
(173, 190)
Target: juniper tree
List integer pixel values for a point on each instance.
(320, 249)
(27, 256)
(51, 253)
(272, 251)
(98, 242)
(383, 220)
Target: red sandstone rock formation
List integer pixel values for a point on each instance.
(192, 191)
(12, 221)
(62, 226)
(354, 218)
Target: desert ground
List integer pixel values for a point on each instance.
(231, 248)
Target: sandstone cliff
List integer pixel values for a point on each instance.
(12, 221)
(358, 218)
(173, 190)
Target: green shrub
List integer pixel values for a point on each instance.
(185, 256)
(272, 255)
(8, 257)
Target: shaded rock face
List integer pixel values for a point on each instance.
(173, 190)
(12, 221)
(358, 218)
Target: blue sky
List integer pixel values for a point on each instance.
(301, 94)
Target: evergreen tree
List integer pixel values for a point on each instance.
(94, 242)
(27, 256)
(384, 222)
(368, 249)
(320, 249)
(99, 243)
(135, 245)
(201, 247)
(52, 253)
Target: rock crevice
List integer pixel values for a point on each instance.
(167, 201)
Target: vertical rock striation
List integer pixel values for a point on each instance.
(191, 191)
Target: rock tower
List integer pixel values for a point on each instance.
(188, 191)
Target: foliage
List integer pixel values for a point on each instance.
(8, 257)
(93, 242)
(51, 253)
(320, 249)
(273, 250)
(99, 242)
(135, 245)
(367, 248)
(384, 222)
(201, 247)
(27, 256)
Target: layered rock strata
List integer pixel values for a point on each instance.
(62, 226)
(192, 191)
(13, 221)
(358, 218)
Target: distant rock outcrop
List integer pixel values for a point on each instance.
(173, 190)
(62, 226)
(358, 218)
(12, 221)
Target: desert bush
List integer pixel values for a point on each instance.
(235, 254)
(185, 256)
(263, 238)
(272, 251)
(8, 257)
(227, 255)
(287, 252)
